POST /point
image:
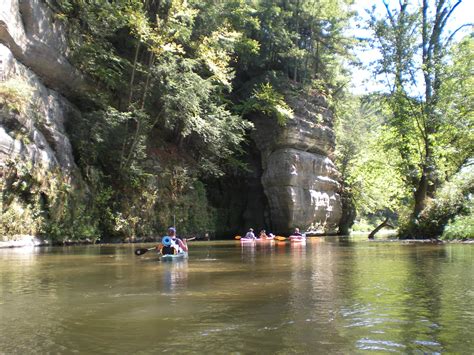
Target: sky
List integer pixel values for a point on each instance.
(362, 81)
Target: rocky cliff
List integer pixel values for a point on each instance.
(299, 177)
(292, 183)
(38, 175)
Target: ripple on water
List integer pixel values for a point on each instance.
(428, 346)
(427, 343)
(379, 345)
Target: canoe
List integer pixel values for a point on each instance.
(247, 240)
(297, 238)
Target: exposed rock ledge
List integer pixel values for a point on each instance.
(299, 178)
(35, 151)
(37, 40)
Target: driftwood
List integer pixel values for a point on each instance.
(385, 223)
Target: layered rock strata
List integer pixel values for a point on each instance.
(35, 72)
(36, 157)
(299, 177)
(29, 30)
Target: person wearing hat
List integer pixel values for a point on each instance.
(177, 243)
(250, 234)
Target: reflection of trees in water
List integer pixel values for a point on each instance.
(395, 299)
(314, 294)
(423, 304)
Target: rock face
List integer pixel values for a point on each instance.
(32, 47)
(36, 134)
(299, 178)
(28, 29)
(35, 153)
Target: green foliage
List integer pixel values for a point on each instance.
(368, 166)
(216, 50)
(192, 109)
(39, 202)
(455, 138)
(171, 73)
(183, 199)
(461, 227)
(15, 95)
(304, 39)
(453, 200)
(98, 138)
(429, 128)
(269, 102)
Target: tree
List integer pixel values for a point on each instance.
(368, 167)
(413, 41)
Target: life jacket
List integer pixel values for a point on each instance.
(170, 246)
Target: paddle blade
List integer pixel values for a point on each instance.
(141, 251)
(279, 237)
(237, 237)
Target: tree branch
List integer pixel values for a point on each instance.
(450, 38)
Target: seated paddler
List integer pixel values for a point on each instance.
(172, 244)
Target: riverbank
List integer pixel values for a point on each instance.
(19, 241)
(423, 241)
(25, 240)
(22, 240)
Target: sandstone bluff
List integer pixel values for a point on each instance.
(299, 177)
(294, 181)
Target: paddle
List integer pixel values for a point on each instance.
(142, 251)
(280, 238)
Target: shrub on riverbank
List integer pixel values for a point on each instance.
(449, 214)
(461, 227)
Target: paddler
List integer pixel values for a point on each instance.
(250, 234)
(297, 232)
(176, 240)
(176, 243)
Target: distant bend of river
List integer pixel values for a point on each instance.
(335, 295)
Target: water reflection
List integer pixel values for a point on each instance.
(175, 276)
(330, 295)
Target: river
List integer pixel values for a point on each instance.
(334, 295)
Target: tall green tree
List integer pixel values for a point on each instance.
(413, 41)
(368, 167)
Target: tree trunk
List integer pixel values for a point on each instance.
(385, 223)
(420, 195)
(132, 78)
(136, 136)
(147, 83)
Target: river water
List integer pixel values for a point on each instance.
(335, 295)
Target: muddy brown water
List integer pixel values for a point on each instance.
(334, 295)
